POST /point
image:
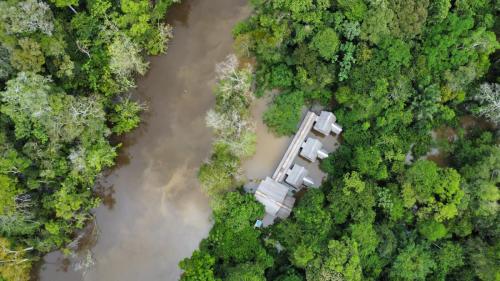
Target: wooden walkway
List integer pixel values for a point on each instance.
(294, 147)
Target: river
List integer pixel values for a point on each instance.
(154, 213)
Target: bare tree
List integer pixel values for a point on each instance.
(489, 99)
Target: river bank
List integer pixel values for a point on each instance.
(156, 213)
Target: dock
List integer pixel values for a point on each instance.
(276, 193)
(294, 147)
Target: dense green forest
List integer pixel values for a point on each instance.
(65, 66)
(405, 78)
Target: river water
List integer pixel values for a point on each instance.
(154, 213)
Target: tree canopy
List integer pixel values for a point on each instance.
(402, 200)
(64, 69)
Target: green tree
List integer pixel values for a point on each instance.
(435, 191)
(353, 9)
(340, 263)
(409, 17)
(413, 263)
(198, 268)
(125, 59)
(327, 43)
(28, 57)
(218, 174)
(16, 265)
(284, 114)
(27, 17)
(125, 116)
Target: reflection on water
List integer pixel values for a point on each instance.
(154, 213)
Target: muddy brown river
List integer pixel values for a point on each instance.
(154, 213)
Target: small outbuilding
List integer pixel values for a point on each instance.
(297, 176)
(325, 124)
(311, 149)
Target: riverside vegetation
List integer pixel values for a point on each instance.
(396, 73)
(64, 68)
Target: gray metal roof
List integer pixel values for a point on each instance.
(272, 195)
(310, 149)
(324, 122)
(296, 175)
(336, 128)
(285, 211)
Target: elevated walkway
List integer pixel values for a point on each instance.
(276, 193)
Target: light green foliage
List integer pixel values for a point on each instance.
(302, 255)
(351, 200)
(438, 10)
(326, 42)
(125, 116)
(28, 57)
(246, 271)
(16, 265)
(435, 191)
(8, 194)
(295, 6)
(281, 77)
(64, 3)
(353, 9)
(409, 17)
(198, 268)
(395, 70)
(413, 263)
(433, 230)
(125, 60)
(376, 24)
(396, 54)
(234, 133)
(62, 68)
(448, 257)
(140, 22)
(369, 161)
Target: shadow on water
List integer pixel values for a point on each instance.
(179, 14)
(154, 213)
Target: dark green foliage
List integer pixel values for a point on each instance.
(398, 69)
(284, 114)
(281, 77)
(233, 243)
(63, 67)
